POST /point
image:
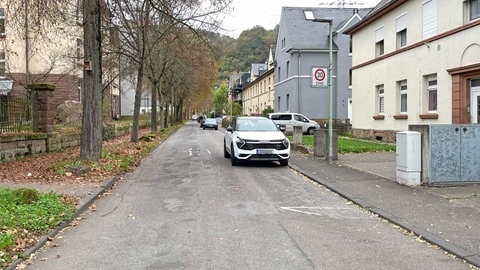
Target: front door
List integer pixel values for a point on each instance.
(475, 101)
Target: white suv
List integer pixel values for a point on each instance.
(294, 119)
(255, 138)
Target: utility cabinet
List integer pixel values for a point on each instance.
(408, 158)
(454, 154)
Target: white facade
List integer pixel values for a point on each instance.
(52, 50)
(423, 43)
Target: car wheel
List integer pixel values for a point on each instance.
(216, 128)
(232, 156)
(310, 131)
(284, 162)
(225, 153)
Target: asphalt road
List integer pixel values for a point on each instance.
(186, 207)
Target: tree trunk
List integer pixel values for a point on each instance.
(166, 113)
(137, 103)
(154, 107)
(91, 139)
(160, 117)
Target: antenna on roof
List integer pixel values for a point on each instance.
(342, 3)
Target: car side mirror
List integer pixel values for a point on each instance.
(229, 129)
(282, 128)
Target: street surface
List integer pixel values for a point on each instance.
(186, 207)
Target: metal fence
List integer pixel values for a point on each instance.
(17, 113)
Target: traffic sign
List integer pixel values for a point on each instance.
(319, 76)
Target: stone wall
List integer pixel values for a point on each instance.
(342, 126)
(388, 136)
(20, 146)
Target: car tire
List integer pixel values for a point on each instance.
(310, 131)
(284, 162)
(225, 153)
(232, 156)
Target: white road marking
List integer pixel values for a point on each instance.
(305, 209)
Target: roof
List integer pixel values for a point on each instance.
(304, 34)
(383, 7)
(257, 69)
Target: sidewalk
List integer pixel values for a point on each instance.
(448, 217)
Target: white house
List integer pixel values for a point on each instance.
(415, 62)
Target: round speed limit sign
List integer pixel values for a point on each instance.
(319, 74)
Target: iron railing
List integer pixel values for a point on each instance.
(17, 113)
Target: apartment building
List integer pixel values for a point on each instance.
(42, 49)
(415, 62)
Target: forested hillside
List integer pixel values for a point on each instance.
(252, 46)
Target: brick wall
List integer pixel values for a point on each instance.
(66, 86)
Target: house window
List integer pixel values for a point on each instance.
(379, 42)
(279, 73)
(474, 9)
(429, 18)
(2, 22)
(350, 78)
(288, 102)
(283, 43)
(288, 69)
(380, 99)
(402, 88)
(401, 31)
(2, 65)
(432, 93)
(350, 49)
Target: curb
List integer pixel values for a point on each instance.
(459, 252)
(84, 204)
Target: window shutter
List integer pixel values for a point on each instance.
(429, 18)
(402, 22)
(379, 34)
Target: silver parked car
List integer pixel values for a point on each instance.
(210, 123)
(255, 138)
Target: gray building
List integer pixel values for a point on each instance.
(301, 56)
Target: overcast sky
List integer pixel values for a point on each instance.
(248, 13)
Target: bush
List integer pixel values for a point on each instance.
(69, 113)
(26, 195)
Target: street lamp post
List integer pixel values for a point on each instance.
(310, 17)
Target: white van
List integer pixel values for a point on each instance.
(294, 119)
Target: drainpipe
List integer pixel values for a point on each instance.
(26, 42)
(298, 80)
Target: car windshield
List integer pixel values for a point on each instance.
(259, 124)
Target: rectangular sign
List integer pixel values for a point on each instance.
(319, 76)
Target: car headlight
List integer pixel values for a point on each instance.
(240, 142)
(285, 142)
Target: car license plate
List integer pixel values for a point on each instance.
(264, 151)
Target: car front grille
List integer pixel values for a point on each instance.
(250, 145)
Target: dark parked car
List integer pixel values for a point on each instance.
(201, 120)
(210, 123)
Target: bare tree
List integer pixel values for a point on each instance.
(143, 24)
